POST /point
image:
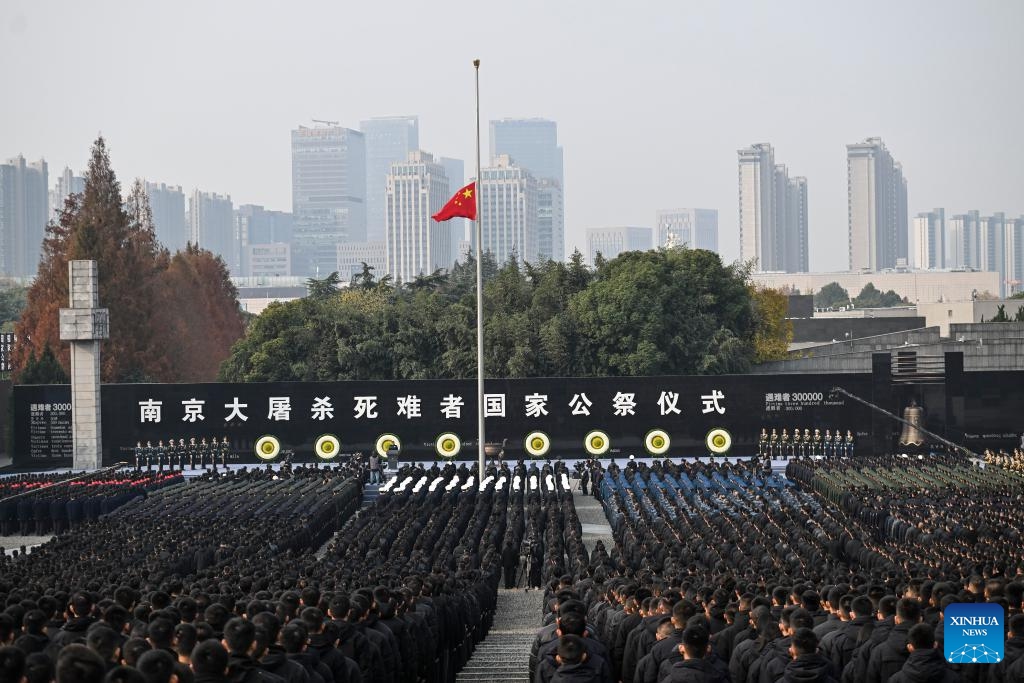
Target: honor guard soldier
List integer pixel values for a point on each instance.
(204, 449)
(817, 446)
(160, 449)
(805, 443)
(182, 451)
(796, 449)
(762, 444)
(138, 455)
(191, 453)
(155, 456)
(837, 444)
(827, 444)
(225, 446)
(775, 444)
(784, 444)
(849, 443)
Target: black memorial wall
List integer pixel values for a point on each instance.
(417, 412)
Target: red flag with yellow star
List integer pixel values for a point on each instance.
(461, 205)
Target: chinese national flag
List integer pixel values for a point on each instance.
(461, 205)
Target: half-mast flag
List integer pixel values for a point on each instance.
(461, 205)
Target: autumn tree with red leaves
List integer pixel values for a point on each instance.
(172, 318)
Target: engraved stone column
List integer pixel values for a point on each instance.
(85, 325)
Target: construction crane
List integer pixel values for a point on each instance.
(327, 123)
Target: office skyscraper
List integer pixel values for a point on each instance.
(261, 233)
(930, 240)
(67, 184)
(416, 245)
(532, 144)
(328, 195)
(610, 242)
(877, 199)
(168, 205)
(773, 212)
(694, 228)
(388, 139)
(24, 213)
(211, 227)
(507, 210)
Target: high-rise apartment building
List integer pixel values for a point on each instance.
(877, 200)
(773, 212)
(929, 248)
(24, 213)
(1014, 255)
(212, 227)
(417, 188)
(610, 242)
(328, 195)
(532, 144)
(962, 242)
(67, 184)
(455, 169)
(694, 228)
(507, 210)
(167, 203)
(388, 139)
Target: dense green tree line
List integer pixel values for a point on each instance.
(672, 311)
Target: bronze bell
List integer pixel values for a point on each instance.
(913, 416)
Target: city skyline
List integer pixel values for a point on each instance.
(631, 144)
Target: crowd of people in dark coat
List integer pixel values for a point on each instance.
(218, 579)
(721, 572)
(39, 505)
(728, 573)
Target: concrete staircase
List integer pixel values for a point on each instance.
(370, 493)
(504, 655)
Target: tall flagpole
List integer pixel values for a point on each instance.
(479, 293)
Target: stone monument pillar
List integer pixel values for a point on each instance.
(85, 324)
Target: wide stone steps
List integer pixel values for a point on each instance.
(504, 655)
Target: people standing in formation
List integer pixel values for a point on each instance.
(716, 572)
(1001, 458)
(179, 455)
(839, 575)
(802, 444)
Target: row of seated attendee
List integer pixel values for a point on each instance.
(176, 454)
(787, 445)
(720, 573)
(76, 499)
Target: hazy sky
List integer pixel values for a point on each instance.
(652, 99)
